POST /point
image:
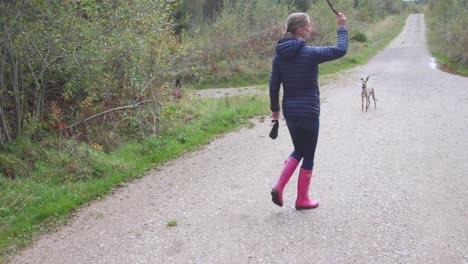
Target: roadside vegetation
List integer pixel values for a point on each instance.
(68, 173)
(238, 43)
(86, 99)
(448, 34)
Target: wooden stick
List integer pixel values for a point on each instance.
(331, 6)
(132, 106)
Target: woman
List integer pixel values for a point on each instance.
(295, 66)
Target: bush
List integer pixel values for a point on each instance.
(359, 36)
(65, 61)
(448, 33)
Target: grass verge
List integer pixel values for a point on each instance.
(31, 206)
(447, 66)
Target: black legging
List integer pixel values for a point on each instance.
(304, 134)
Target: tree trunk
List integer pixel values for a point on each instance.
(5, 132)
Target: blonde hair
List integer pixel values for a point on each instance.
(295, 21)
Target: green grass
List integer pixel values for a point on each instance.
(449, 66)
(237, 81)
(171, 223)
(251, 71)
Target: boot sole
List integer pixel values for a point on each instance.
(275, 198)
(305, 208)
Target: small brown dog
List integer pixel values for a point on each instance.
(366, 94)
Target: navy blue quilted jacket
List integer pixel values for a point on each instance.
(295, 65)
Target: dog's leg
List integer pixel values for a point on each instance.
(367, 102)
(362, 99)
(373, 97)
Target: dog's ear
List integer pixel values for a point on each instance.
(367, 78)
(362, 79)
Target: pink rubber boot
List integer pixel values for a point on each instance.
(277, 192)
(303, 201)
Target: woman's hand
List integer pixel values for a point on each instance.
(341, 20)
(275, 115)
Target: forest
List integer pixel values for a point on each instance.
(86, 85)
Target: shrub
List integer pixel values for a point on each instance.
(447, 29)
(359, 36)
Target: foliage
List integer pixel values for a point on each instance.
(240, 35)
(359, 36)
(84, 57)
(448, 34)
(239, 41)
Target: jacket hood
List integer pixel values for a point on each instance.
(287, 49)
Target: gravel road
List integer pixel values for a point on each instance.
(392, 183)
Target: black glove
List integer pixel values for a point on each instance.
(274, 129)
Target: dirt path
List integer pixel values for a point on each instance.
(229, 92)
(392, 183)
